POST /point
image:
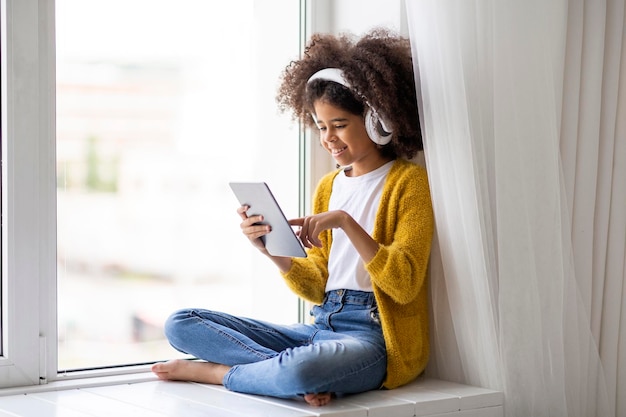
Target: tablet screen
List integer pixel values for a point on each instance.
(281, 241)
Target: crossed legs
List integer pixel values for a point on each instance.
(256, 357)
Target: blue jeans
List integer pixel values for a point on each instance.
(343, 352)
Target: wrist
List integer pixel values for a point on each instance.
(346, 221)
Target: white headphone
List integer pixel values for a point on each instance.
(375, 126)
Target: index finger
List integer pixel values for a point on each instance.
(296, 222)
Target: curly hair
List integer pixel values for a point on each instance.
(378, 68)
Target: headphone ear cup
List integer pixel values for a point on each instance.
(375, 128)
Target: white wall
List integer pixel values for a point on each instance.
(358, 16)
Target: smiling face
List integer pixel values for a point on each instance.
(344, 136)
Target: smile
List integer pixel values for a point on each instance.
(337, 151)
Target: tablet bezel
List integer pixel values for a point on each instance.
(282, 240)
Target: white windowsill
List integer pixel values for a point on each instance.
(83, 379)
(141, 392)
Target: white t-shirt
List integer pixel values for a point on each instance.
(359, 197)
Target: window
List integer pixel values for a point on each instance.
(158, 105)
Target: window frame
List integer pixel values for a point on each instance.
(29, 272)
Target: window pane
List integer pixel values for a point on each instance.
(159, 105)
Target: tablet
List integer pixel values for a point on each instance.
(282, 240)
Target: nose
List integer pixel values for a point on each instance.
(329, 136)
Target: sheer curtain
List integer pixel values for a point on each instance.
(524, 117)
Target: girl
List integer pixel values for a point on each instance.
(368, 242)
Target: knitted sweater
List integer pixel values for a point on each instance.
(403, 229)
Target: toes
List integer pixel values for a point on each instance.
(317, 400)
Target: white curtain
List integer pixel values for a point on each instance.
(524, 117)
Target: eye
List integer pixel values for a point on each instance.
(339, 126)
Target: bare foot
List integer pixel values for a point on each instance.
(318, 400)
(184, 370)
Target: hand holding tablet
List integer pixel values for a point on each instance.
(281, 241)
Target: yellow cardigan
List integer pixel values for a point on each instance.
(404, 229)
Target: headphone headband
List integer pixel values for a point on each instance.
(330, 74)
